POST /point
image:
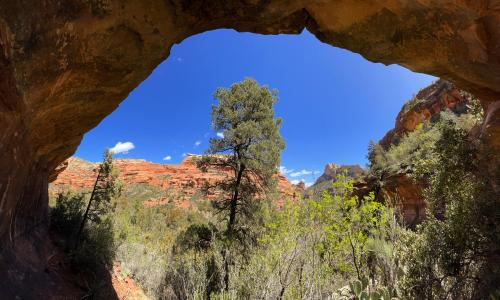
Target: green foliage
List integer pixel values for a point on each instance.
(66, 215)
(361, 291)
(107, 187)
(455, 253)
(332, 246)
(348, 222)
(197, 237)
(417, 145)
(300, 250)
(91, 248)
(96, 250)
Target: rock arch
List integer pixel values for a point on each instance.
(65, 65)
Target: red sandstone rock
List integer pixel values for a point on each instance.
(332, 170)
(184, 178)
(430, 101)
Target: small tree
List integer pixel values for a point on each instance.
(349, 222)
(250, 145)
(106, 187)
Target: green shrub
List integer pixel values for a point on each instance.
(455, 251)
(96, 248)
(66, 215)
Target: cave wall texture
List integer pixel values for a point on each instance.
(65, 65)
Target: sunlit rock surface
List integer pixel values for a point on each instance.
(184, 181)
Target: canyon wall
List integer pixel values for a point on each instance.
(184, 180)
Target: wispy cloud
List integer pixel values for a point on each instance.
(168, 157)
(197, 143)
(122, 147)
(301, 173)
(184, 154)
(316, 172)
(220, 135)
(285, 171)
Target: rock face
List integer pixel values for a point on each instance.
(406, 194)
(65, 65)
(324, 182)
(430, 101)
(184, 178)
(332, 170)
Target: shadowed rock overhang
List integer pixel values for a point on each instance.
(65, 65)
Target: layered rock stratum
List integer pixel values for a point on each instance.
(184, 179)
(65, 65)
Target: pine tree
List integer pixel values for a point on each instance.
(106, 187)
(250, 145)
(249, 148)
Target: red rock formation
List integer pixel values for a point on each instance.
(437, 97)
(404, 193)
(401, 193)
(183, 178)
(332, 170)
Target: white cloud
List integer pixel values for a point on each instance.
(295, 181)
(168, 157)
(301, 173)
(197, 143)
(308, 184)
(316, 172)
(122, 147)
(220, 134)
(184, 154)
(284, 170)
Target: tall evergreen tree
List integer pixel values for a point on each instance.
(106, 187)
(250, 147)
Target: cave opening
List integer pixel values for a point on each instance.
(330, 100)
(62, 74)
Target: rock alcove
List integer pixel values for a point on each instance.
(65, 65)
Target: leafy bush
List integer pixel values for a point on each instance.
(97, 250)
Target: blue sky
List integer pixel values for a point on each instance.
(332, 101)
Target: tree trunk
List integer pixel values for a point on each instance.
(85, 215)
(234, 202)
(225, 257)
